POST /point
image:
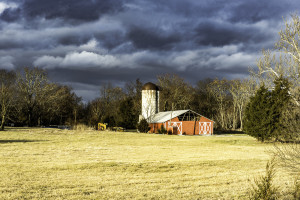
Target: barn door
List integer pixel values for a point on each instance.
(205, 128)
(178, 126)
(175, 130)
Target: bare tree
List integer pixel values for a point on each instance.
(134, 91)
(175, 92)
(284, 61)
(33, 87)
(111, 97)
(59, 102)
(7, 84)
(241, 91)
(219, 89)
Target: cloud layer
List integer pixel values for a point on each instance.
(86, 43)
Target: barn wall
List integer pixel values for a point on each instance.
(154, 127)
(187, 126)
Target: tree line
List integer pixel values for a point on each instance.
(29, 98)
(223, 101)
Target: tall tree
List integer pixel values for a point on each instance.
(279, 102)
(175, 93)
(219, 89)
(202, 101)
(111, 98)
(241, 91)
(7, 88)
(284, 60)
(264, 112)
(134, 91)
(40, 100)
(257, 119)
(31, 85)
(129, 118)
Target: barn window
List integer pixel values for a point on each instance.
(189, 116)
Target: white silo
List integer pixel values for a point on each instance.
(150, 101)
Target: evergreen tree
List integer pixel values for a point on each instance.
(129, 119)
(257, 120)
(143, 126)
(263, 115)
(279, 101)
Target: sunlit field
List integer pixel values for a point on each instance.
(63, 164)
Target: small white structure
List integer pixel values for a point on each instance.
(150, 101)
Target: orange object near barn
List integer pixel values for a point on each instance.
(181, 122)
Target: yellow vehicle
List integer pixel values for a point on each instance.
(102, 126)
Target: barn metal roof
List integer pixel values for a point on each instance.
(162, 117)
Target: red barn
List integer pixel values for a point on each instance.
(181, 122)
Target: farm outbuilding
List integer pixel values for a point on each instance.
(181, 122)
(178, 122)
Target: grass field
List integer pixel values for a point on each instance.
(62, 164)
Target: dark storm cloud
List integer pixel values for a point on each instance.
(73, 39)
(11, 14)
(110, 39)
(87, 10)
(152, 39)
(86, 43)
(220, 34)
(254, 11)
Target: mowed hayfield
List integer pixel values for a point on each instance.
(62, 164)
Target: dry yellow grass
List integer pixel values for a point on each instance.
(62, 164)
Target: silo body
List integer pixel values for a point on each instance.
(150, 101)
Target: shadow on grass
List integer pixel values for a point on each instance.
(20, 141)
(231, 132)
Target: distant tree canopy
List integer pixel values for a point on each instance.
(7, 94)
(221, 100)
(28, 98)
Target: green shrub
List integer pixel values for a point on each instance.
(162, 130)
(143, 126)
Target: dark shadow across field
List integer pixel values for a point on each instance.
(228, 132)
(20, 141)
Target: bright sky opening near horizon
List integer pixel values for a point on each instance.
(85, 43)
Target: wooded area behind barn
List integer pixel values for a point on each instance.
(29, 98)
(219, 100)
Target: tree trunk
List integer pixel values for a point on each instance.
(3, 117)
(241, 119)
(2, 123)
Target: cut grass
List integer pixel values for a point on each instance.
(62, 164)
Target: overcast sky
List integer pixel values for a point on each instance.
(84, 43)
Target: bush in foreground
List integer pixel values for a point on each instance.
(143, 126)
(264, 187)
